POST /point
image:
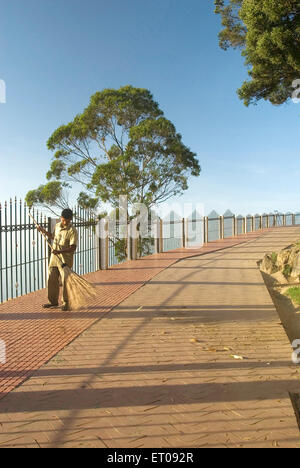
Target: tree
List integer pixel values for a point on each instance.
(121, 144)
(50, 196)
(268, 32)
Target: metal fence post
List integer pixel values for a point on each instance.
(104, 240)
(187, 233)
(293, 219)
(221, 227)
(161, 241)
(206, 229)
(106, 248)
(156, 240)
(183, 243)
(134, 240)
(128, 240)
(99, 253)
(134, 250)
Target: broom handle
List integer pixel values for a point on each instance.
(44, 235)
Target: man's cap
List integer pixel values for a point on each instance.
(67, 214)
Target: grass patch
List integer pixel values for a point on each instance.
(287, 270)
(294, 294)
(274, 257)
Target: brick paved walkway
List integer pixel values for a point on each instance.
(137, 377)
(33, 335)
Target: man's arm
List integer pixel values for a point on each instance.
(48, 234)
(70, 249)
(73, 244)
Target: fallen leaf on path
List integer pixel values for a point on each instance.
(234, 356)
(194, 340)
(238, 414)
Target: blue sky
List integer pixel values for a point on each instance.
(56, 53)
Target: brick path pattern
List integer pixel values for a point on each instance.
(157, 369)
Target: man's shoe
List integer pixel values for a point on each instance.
(65, 307)
(48, 306)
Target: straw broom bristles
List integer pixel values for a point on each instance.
(79, 291)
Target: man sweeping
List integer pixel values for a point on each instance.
(65, 240)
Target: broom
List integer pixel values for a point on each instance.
(79, 290)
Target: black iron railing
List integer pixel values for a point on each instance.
(24, 253)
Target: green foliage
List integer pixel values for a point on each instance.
(56, 169)
(268, 31)
(122, 145)
(144, 246)
(274, 257)
(294, 294)
(153, 167)
(87, 202)
(120, 246)
(234, 32)
(287, 270)
(48, 195)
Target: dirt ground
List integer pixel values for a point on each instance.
(289, 312)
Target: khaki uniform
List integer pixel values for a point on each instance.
(64, 237)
